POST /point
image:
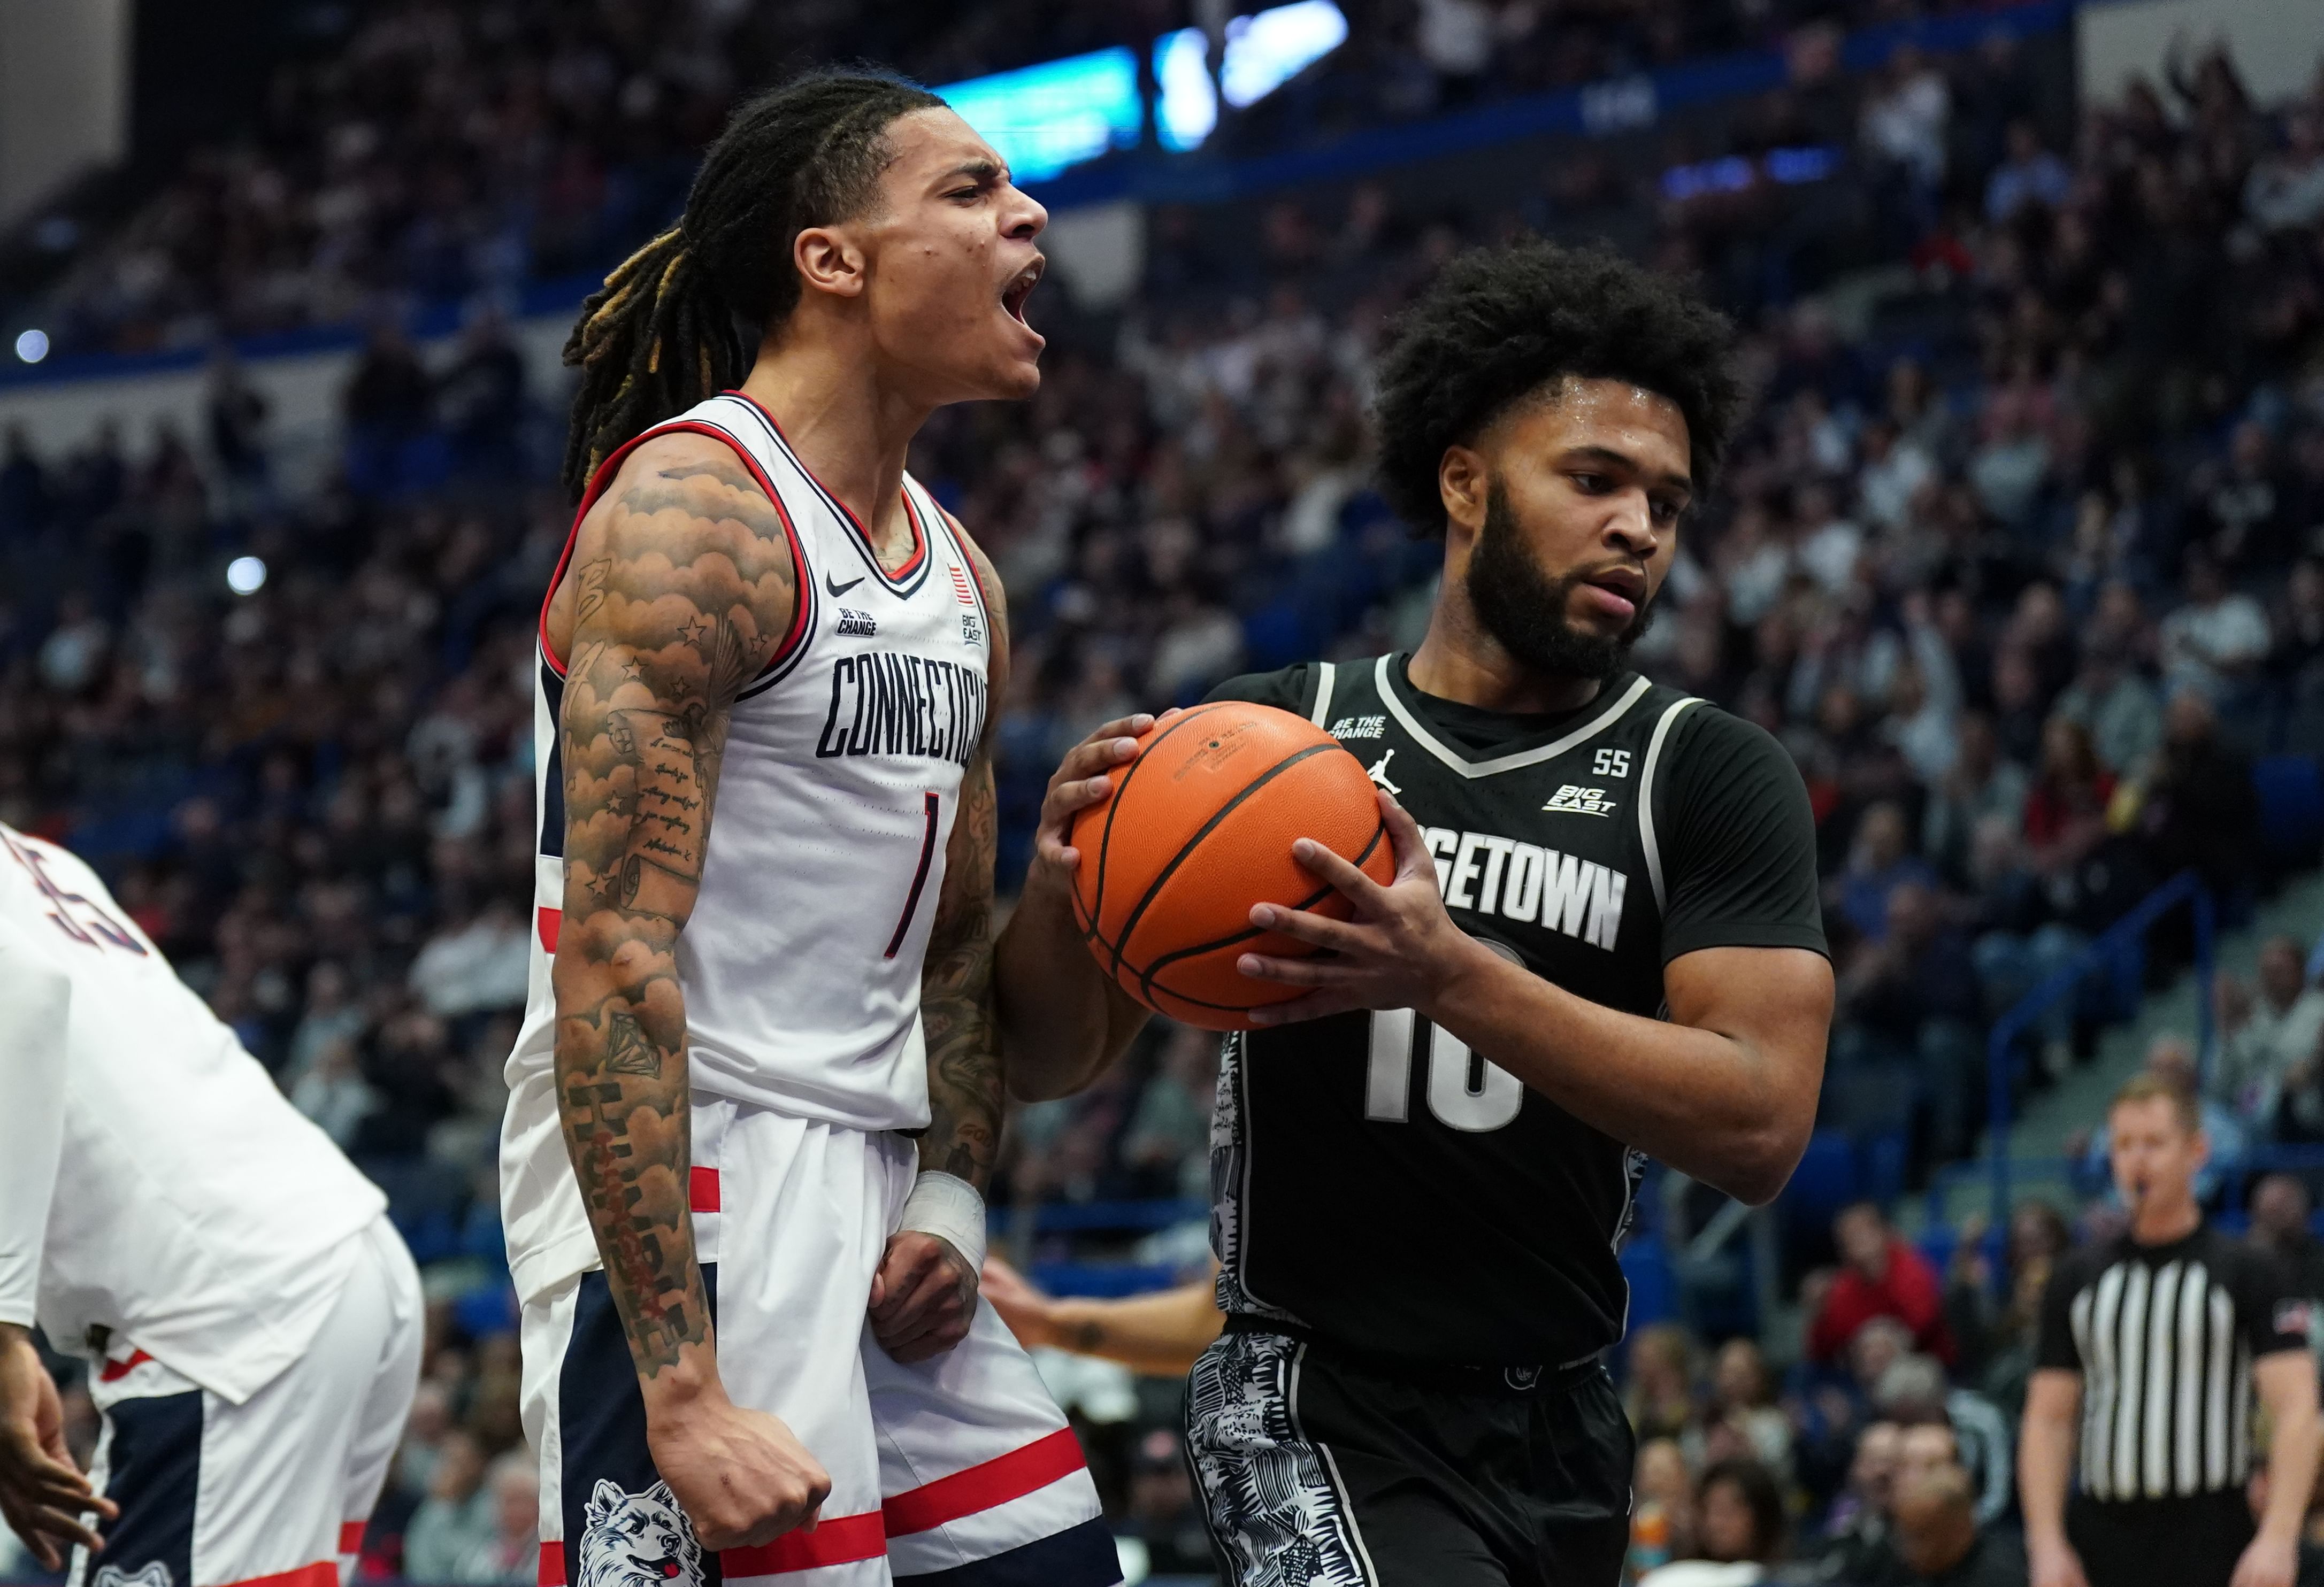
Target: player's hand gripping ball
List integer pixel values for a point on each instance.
(1198, 829)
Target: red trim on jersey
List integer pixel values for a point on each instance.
(115, 1370)
(551, 1571)
(836, 1540)
(351, 1535)
(920, 530)
(801, 605)
(702, 1189)
(546, 922)
(324, 1572)
(997, 1480)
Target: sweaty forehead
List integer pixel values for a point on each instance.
(932, 142)
(1577, 411)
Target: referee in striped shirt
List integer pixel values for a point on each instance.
(2152, 1346)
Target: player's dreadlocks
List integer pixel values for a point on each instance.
(667, 329)
(1499, 324)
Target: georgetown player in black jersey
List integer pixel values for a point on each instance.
(1602, 941)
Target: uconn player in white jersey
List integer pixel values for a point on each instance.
(251, 1320)
(758, 1089)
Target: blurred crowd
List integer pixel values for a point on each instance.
(1883, 1456)
(436, 151)
(2019, 557)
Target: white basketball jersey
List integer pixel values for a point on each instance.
(153, 1183)
(840, 782)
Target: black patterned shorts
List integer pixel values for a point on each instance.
(1316, 1471)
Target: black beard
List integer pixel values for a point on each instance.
(1525, 610)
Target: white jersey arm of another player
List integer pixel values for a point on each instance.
(35, 997)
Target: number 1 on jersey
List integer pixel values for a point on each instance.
(1465, 1092)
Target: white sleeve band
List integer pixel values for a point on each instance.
(947, 1206)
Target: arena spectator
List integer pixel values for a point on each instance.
(2200, 807)
(2116, 707)
(509, 1556)
(2066, 811)
(2265, 1029)
(1939, 1541)
(425, 1435)
(1660, 1395)
(1980, 785)
(2031, 175)
(1739, 1530)
(1854, 1544)
(1913, 1009)
(1880, 861)
(1741, 1417)
(1662, 1517)
(1882, 1276)
(2280, 1210)
(1914, 1394)
(456, 1520)
(2217, 641)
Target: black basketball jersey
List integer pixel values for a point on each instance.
(1379, 1184)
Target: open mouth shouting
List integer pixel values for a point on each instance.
(1020, 288)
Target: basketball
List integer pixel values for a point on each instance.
(1199, 828)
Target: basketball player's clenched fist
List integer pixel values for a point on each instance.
(740, 1475)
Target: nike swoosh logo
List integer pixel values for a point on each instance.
(838, 589)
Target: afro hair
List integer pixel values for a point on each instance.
(1500, 324)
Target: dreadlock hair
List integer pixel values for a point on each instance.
(1499, 324)
(667, 329)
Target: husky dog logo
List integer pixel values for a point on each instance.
(632, 1540)
(153, 1575)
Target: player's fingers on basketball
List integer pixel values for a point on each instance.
(1346, 879)
(1125, 726)
(1307, 926)
(1406, 840)
(1295, 972)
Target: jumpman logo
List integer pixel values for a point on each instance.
(1378, 773)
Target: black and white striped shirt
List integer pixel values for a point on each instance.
(2163, 1337)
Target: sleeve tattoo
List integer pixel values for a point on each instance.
(957, 1011)
(693, 587)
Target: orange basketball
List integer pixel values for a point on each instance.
(1198, 829)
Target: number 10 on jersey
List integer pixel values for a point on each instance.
(1465, 1091)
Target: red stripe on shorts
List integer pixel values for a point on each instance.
(702, 1189)
(546, 922)
(836, 1540)
(351, 1537)
(552, 1566)
(996, 1481)
(323, 1572)
(115, 1370)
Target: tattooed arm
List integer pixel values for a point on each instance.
(925, 1290)
(683, 583)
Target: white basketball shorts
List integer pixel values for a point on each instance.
(274, 1492)
(958, 1471)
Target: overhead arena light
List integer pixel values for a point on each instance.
(1263, 52)
(32, 346)
(1048, 118)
